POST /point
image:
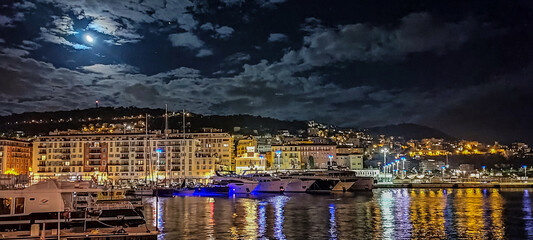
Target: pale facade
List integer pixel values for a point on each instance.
(218, 145)
(121, 157)
(356, 161)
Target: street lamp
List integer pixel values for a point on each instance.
(525, 172)
(403, 167)
(384, 151)
(397, 166)
(330, 163)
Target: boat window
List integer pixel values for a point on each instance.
(19, 205)
(5, 206)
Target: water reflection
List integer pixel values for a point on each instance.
(279, 203)
(385, 214)
(262, 219)
(332, 222)
(528, 219)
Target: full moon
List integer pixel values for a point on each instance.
(89, 38)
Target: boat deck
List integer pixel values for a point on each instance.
(137, 233)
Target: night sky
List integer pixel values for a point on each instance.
(463, 67)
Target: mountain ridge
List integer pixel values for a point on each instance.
(195, 122)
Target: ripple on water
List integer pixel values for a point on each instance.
(381, 214)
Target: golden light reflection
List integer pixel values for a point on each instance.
(427, 214)
(246, 215)
(496, 207)
(469, 210)
(377, 220)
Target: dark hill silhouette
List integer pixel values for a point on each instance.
(248, 124)
(409, 131)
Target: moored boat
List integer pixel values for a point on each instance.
(65, 203)
(266, 182)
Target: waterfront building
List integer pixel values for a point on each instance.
(250, 161)
(351, 161)
(317, 155)
(217, 144)
(430, 165)
(15, 156)
(122, 157)
(264, 143)
(286, 157)
(349, 150)
(304, 155)
(244, 145)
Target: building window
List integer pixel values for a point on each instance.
(5, 206)
(19, 205)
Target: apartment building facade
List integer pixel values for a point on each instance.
(219, 145)
(15, 156)
(304, 155)
(122, 157)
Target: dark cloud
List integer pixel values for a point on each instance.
(461, 69)
(277, 37)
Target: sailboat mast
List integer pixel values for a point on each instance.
(182, 162)
(144, 152)
(168, 167)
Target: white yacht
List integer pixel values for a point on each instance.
(326, 181)
(266, 182)
(74, 204)
(228, 184)
(296, 185)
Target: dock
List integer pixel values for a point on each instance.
(131, 233)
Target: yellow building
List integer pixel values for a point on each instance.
(216, 144)
(244, 144)
(15, 156)
(250, 162)
(286, 157)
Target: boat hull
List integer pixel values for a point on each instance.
(107, 218)
(241, 188)
(271, 187)
(298, 186)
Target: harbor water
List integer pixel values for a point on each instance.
(380, 214)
